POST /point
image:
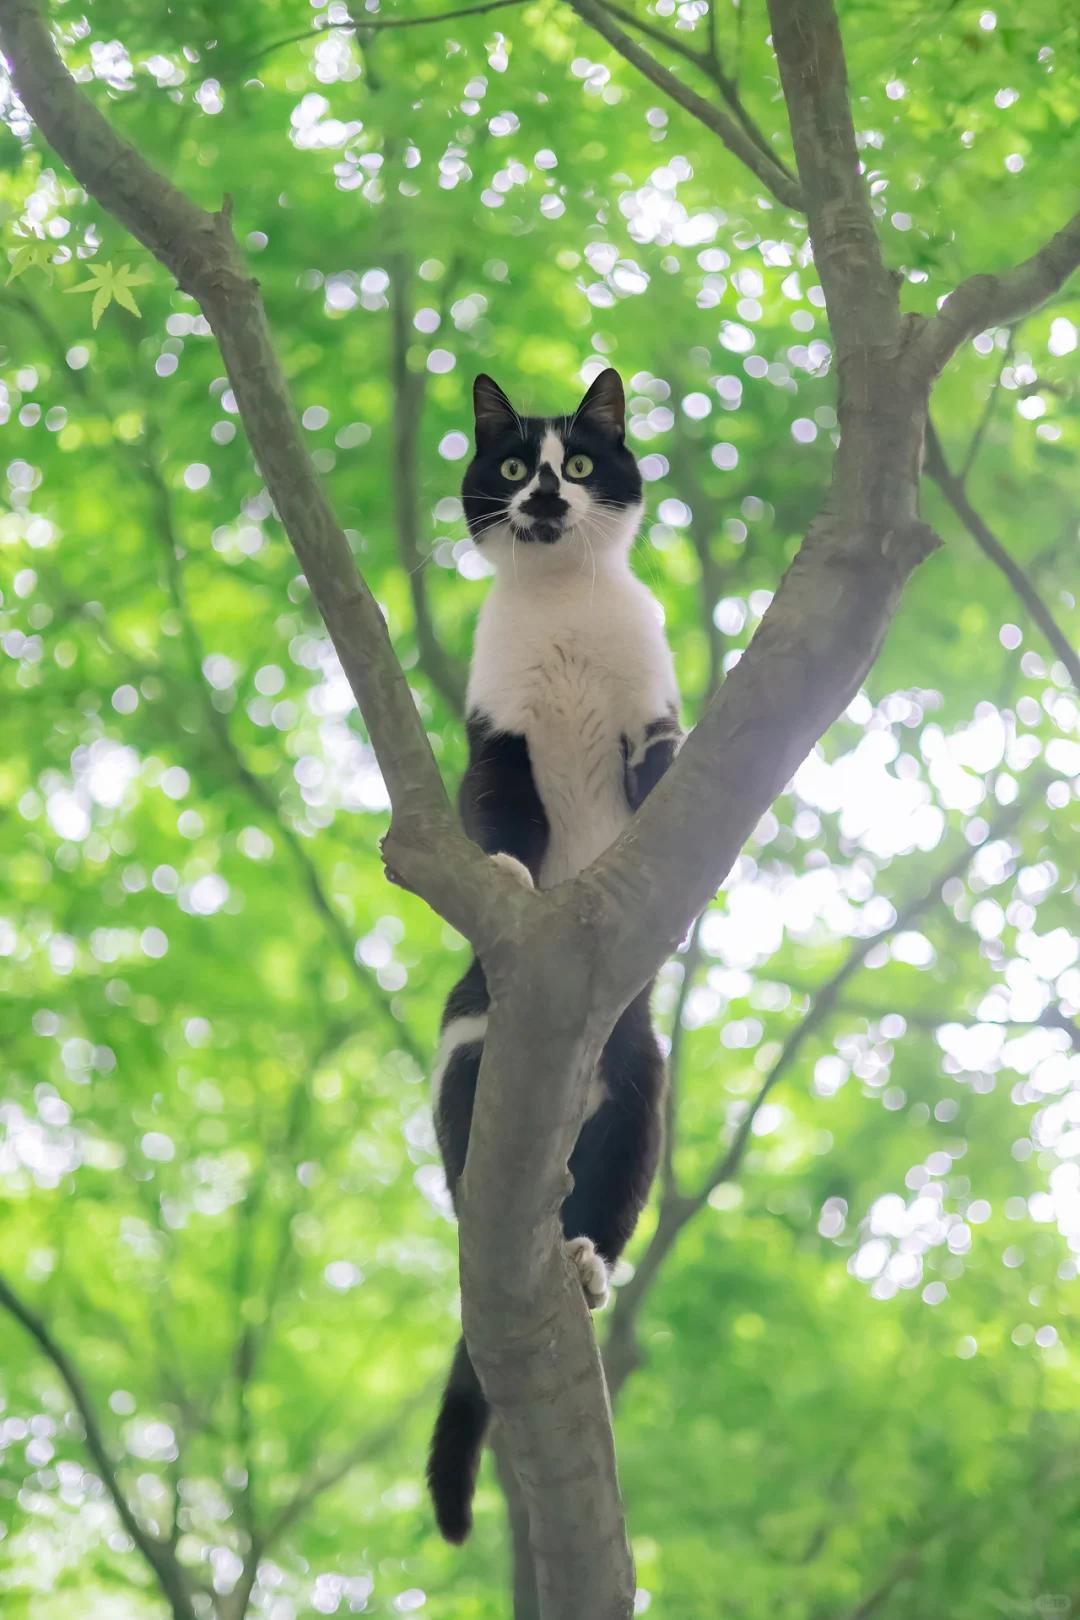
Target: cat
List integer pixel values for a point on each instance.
(571, 719)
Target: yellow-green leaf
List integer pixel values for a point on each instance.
(31, 256)
(107, 284)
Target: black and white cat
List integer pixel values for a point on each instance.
(572, 717)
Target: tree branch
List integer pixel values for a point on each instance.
(523, 1311)
(818, 638)
(374, 24)
(996, 300)
(679, 47)
(443, 671)
(713, 577)
(761, 162)
(988, 409)
(147, 468)
(708, 62)
(952, 487)
(621, 1354)
(258, 791)
(244, 1362)
(327, 1474)
(200, 251)
(860, 295)
(906, 1565)
(165, 1567)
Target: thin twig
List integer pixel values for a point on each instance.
(330, 1473)
(932, 1018)
(713, 577)
(662, 36)
(988, 409)
(217, 725)
(621, 1354)
(711, 32)
(952, 488)
(147, 466)
(244, 1358)
(443, 671)
(906, 1565)
(727, 1164)
(365, 25)
(764, 164)
(710, 63)
(158, 1554)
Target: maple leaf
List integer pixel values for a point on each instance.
(32, 255)
(108, 284)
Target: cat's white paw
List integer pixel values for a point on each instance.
(515, 868)
(592, 1271)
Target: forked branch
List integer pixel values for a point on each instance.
(709, 63)
(762, 163)
(988, 300)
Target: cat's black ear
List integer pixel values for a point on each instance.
(604, 406)
(494, 412)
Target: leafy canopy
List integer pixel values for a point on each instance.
(218, 1180)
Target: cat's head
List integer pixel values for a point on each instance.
(550, 492)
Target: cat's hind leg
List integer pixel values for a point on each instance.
(615, 1158)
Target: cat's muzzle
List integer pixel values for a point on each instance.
(544, 518)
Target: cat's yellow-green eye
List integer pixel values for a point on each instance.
(578, 467)
(513, 468)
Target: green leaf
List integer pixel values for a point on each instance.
(107, 284)
(33, 255)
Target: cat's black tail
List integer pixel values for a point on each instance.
(456, 1446)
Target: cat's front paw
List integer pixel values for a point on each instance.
(515, 868)
(592, 1271)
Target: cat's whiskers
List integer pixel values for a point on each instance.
(592, 559)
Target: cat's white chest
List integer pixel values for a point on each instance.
(573, 665)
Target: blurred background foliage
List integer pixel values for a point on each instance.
(844, 1348)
